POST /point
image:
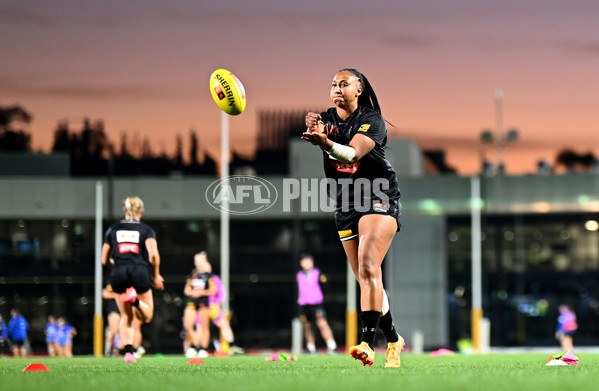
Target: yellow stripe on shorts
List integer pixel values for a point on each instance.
(345, 233)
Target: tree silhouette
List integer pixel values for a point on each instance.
(573, 161)
(12, 135)
(193, 149)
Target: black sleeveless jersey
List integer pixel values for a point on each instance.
(369, 179)
(128, 241)
(199, 280)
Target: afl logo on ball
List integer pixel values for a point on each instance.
(241, 194)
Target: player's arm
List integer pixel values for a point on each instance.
(106, 254)
(188, 290)
(211, 290)
(316, 134)
(361, 145)
(107, 293)
(154, 259)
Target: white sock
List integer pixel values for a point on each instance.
(311, 347)
(331, 344)
(385, 308)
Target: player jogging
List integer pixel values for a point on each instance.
(134, 249)
(353, 135)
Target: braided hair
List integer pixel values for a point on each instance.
(368, 97)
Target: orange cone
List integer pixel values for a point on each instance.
(35, 367)
(196, 361)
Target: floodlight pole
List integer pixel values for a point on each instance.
(477, 310)
(224, 210)
(98, 320)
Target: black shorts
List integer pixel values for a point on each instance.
(111, 306)
(312, 312)
(18, 344)
(125, 276)
(197, 303)
(347, 222)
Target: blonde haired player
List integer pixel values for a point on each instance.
(134, 252)
(198, 288)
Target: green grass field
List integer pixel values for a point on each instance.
(505, 372)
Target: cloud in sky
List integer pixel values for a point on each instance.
(589, 49)
(22, 16)
(145, 64)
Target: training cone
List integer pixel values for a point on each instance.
(196, 361)
(35, 367)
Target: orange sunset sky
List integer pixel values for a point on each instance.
(143, 68)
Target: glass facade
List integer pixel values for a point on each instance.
(47, 267)
(531, 264)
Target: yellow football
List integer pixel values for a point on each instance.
(227, 91)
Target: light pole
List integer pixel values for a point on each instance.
(499, 137)
(224, 210)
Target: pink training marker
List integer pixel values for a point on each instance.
(35, 367)
(196, 361)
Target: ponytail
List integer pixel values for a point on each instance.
(368, 97)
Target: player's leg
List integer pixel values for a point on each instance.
(204, 327)
(309, 335)
(567, 343)
(145, 310)
(126, 327)
(138, 338)
(325, 331)
(189, 320)
(220, 320)
(365, 350)
(114, 320)
(376, 234)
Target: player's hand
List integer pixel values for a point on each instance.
(159, 282)
(317, 138)
(314, 122)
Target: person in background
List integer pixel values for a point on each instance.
(18, 328)
(310, 299)
(220, 319)
(566, 327)
(51, 331)
(198, 288)
(113, 319)
(66, 332)
(3, 336)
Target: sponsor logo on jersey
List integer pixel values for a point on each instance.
(346, 167)
(127, 236)
(364, 128)
(334, 130)
(128, 248)
(198, 283)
